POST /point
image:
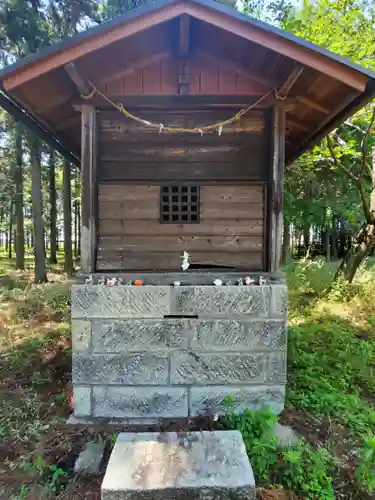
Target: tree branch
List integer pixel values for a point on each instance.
(337, 163)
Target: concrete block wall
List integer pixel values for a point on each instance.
(161, 352)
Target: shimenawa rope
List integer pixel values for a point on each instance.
(195, 130)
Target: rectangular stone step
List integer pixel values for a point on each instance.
(179, 466)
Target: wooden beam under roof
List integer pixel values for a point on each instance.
(184, 37)
(134, 65)
(73, 73)
(268, 84)
(210, 15)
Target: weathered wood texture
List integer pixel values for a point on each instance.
(89, 193)
(129, 151)
(230, 232)
(160, 75)
(276, 188)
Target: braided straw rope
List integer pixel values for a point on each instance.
(195, 130)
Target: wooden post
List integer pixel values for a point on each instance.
(88, 172)
(276, 187)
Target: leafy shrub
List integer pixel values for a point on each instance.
(365, 471)
(299, 468)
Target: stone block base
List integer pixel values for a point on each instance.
(162, 352)
(179, 466)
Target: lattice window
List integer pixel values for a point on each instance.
(179, 204)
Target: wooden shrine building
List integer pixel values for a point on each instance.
(182, 115)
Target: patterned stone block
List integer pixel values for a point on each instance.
(232, 335)
(138, 335)
(218, 302)
(214, 368)
(132, 369)
(140, 402)
(82, 401)
(81, 335)
(97, 301)
(216, 398)
(279, 301)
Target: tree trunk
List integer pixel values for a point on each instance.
(327, 246)
(67, 203)
(79, 228)
(10, 230)
(364, 244)
(18, 200)
(286, 242)
(38, 228)
(334, 238)
(306, 238)
(53, 208)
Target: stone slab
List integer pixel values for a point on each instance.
(204, 368)
(279, 301)
(140, 402)
(139, 335)
(82, 400)
(233, 335)
(132, 369)
(221, 302)
(90, 458)
(99, 301)
(179, 466)
(285, 436)
(81, 335)
(219, 399)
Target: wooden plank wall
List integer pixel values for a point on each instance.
(231, 171)
(205, 76)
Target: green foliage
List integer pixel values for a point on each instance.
(331, 370)
(258, 432)
(299, 468)
(308, 472)
(365, 472)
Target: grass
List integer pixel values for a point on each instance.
(330, 395)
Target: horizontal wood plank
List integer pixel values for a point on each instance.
(173, 171)
(229, 243)
(149, 209)
(153, 227)
(120, 152)
(114, 122)
(232, 194)
(172, 260)
(115, 193)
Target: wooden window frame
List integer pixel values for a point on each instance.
(171, 210)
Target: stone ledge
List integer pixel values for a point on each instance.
(179, 466)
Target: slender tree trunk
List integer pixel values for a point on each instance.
(18, 200)
(306, 238)
(67, 203)
(334, 238)
(1, 227)
(79, 228)
(38, 228)
(327, 247)
(10, 230)
(286, 242)
(53, 208)
(364, 243)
